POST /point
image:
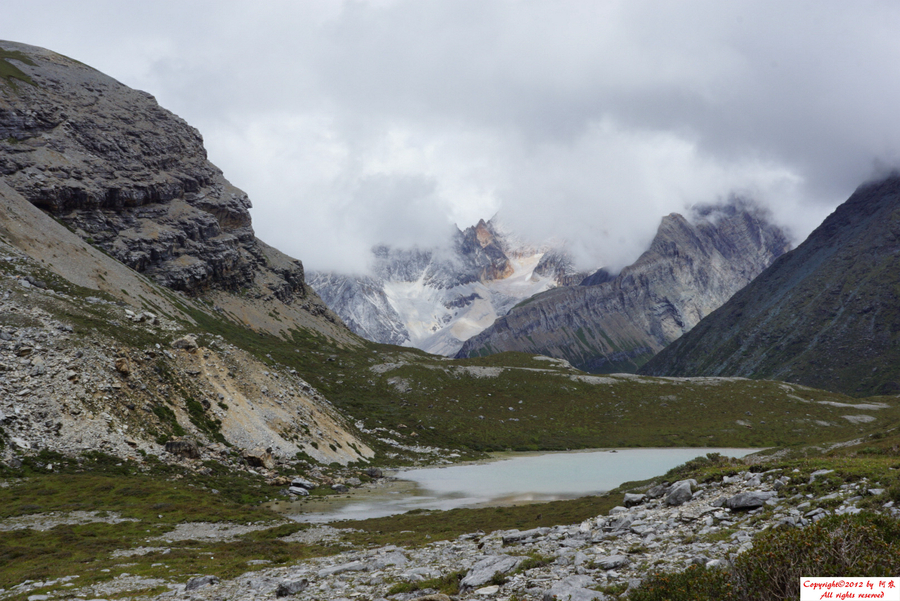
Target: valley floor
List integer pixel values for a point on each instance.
(668, 528)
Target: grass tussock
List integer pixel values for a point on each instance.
(420, 527)
(134, 505)
(11, 73)
(447, 584)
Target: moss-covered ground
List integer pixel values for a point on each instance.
(153, 498)
(147, 500)
(11, 73)
(150, 499)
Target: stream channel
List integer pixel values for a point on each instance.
(507, 479)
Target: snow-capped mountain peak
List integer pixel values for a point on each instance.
(435, 299)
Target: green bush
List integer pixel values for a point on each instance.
(167, 418)
(861, 545)
(711, 460)
(210, 426)
(693, 584)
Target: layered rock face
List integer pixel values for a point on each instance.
(436, 298)
(484, 248)
(81, 373)
(129, 177)
(558, 265)
(616, 324)
(825, 314)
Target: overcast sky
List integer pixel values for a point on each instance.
(352, 123)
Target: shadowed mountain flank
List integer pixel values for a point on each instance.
(825, 314)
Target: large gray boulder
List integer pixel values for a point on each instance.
(632, 499)
(302, 483)
(611, 562)
(291, 587)
(573, 588)
(657, 491)
(394, 558)
(621, 523)
(680, 492)
(183, 447)
(748, 500)
(482, 572)
(187, 342)
(515, 536)
(260, 458)
(353, 566)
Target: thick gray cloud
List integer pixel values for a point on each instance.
(352, 123)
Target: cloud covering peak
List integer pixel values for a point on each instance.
(356, 123)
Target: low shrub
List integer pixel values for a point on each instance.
(534, 560)
(447, 584)
(862, 545)
(693, 584)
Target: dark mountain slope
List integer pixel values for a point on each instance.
(826, 314)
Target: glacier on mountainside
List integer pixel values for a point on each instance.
(436, 299)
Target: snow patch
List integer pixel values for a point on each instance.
(438, 322)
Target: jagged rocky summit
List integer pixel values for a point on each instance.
(132, 179)
(611, 324)
(436, 298)
(826, 314)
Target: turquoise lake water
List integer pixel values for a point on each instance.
(509, 479)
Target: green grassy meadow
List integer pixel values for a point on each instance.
(510, 401)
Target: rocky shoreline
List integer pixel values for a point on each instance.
(667, 528)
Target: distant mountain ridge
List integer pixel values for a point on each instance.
(617, 323)
(826, 314)
(435, 298)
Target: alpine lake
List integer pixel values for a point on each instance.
(506, 479)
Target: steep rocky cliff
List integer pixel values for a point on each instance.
(616, 324)
(82, 369)
(436, 298)
(825, 314)
(132, 179)
(107, 204)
